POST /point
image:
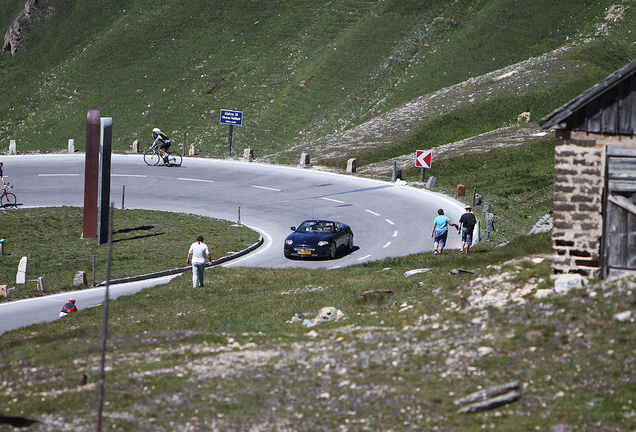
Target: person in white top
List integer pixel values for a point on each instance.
(197, 254)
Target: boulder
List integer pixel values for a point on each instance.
(80, 278)
(543, 293)
(567, 282)
(623, 316)
(328, 313)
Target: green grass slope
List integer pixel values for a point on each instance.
(298, 70)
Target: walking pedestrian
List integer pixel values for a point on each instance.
(197, 253)
(1, 176)
(440, 231)
(467, 224)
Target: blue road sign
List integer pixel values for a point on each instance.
(232, 117)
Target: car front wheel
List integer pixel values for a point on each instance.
(332, 251)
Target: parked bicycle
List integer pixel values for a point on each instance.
(7, 199)
(154, 155)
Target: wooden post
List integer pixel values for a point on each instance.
(422, 177)
(184, 143)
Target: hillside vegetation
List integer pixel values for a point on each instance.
(374, 80)
(298, 70)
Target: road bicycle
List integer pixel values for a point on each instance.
(154, 155)
(7, 199)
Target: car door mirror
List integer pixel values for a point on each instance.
(293, 228)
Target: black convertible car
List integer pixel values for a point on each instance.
(318, 238)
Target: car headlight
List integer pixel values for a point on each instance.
(289, 242)
(323, 243)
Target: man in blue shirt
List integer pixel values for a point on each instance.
(440, 231)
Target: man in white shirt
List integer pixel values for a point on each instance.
(197, 253)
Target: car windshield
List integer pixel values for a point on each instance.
(315, 227)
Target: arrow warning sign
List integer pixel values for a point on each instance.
(423, 158)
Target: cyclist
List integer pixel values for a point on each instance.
(161, 137)
(1, 176)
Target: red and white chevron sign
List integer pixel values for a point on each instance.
(423, 158)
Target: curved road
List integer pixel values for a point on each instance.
(387, 220)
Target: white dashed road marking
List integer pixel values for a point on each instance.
(195, 180)
(334, 200)
(267, 188)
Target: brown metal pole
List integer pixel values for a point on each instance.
(91, 173)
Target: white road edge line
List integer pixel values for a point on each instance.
(267, 242)
(195, 180)
(334, 200)
(268, 188)
(366, 256)
(372, 212)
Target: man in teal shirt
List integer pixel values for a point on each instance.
(440, 231)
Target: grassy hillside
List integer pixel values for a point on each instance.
(298, 70)
(304, 73)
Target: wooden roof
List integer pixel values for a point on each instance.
(608, 108)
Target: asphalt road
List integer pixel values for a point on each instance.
(387, 220)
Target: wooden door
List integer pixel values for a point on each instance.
(619, 255)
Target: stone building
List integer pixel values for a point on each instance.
(594, 230)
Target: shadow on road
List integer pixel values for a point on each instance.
(7, 205)
(344, 252)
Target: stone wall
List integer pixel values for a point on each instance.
(578, 200)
